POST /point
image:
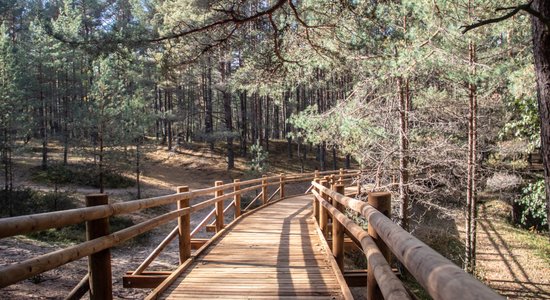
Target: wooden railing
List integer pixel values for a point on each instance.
(441, 278)
(99, 279)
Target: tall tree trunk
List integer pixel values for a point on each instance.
(101, 153)
(168, 120)
(404, 99)
(266, 124)
(541, 51)
(471, 202)
(208, 119)
(334, 159)
(138, 171)
(43, 123)
(244, 123)
(288, 128)
(225, 70)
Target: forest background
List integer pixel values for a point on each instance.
(430, 113)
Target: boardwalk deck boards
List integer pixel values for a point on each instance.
(275, 252)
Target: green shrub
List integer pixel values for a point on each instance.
(26, 201)
(258, 158)
(533, 205)
(84, 174)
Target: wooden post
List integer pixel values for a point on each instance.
(323, 214)
(330, 180)
(338, 231)
(184, 227)
(237, 198)
(219, 207)
(341, 176)
(382, 202)
(264, 190)
(315, 202)
(282, 186)
(99, 264)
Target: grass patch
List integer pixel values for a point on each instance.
(26, 201)
(80, 174)
(539, 243)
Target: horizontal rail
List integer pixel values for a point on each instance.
(30, 267)
(38, 222)
(440, 277)
(392, 287)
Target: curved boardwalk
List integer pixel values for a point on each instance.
(275, 252)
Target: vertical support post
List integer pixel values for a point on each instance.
(341, 176)
(330, 182)
(315, 202)
(264, 189)
(338, 231)
(184, 227)
(323, 214)
(219, 207)
(282, 186)
(237, 198)
(99, 264)
(382, 202)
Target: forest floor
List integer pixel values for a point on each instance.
(513, 261)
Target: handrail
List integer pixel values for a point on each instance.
(30, 267)
(392, 288)
(440, 277)
(30, 223)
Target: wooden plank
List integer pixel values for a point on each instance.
(273, 252)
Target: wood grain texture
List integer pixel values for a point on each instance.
(276, 252)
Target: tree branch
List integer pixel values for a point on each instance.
(513, 11)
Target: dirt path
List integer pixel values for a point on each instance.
(506, 262)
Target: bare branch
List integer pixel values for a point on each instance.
(513, 11)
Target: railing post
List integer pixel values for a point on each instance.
(184, 227)
(264, 190)
(237, 198)
(316, 202)
(99, 264)
(338, 231)
(330, 182)
(341, 176)
(282, 186)
(219, 207)
(382, 202)
(323, 214)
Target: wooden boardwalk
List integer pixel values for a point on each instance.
(275, 252)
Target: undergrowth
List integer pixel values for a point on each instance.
(80, 174)
(27, 201)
